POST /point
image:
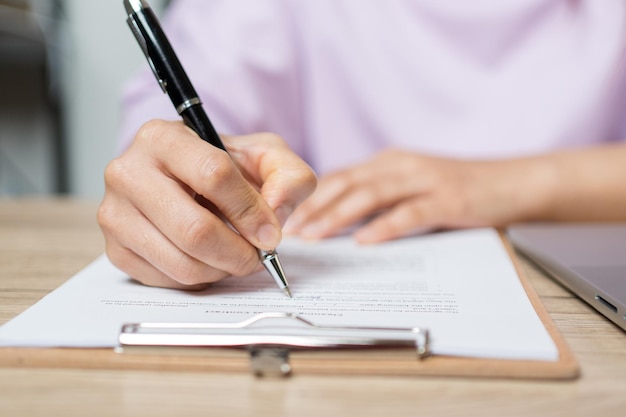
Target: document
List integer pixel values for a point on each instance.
(461, 285)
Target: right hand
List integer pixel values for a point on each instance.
(168, 198)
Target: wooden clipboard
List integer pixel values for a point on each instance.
(321, 361)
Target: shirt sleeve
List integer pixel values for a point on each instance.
(242, 62)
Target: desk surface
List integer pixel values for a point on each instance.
(44, 242)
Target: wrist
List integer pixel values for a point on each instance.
(538, 187)
(522, 189)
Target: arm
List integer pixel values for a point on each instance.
(398, 193)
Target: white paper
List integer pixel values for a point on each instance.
(460, 285)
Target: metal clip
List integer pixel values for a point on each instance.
(134, 27)
(269, 337)
(267, 361)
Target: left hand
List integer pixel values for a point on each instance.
(399, 193)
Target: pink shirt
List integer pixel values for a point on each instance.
(343, 79)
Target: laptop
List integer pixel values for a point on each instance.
(587, 259)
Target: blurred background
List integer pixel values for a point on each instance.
(62, 67)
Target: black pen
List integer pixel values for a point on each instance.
(174, 82)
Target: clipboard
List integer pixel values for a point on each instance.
(398, 352)
(269, 346)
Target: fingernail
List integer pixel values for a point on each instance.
(283, 213)
(291, 225)
(313, 230)
(268, 236)
(366, 236)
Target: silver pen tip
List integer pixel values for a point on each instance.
(288, 292)
(274, 267)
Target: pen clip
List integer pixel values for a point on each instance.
(134, 27)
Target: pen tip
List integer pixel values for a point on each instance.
(286, 290)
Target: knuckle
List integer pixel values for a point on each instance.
(214, 168)
(245, 264)
(190, 274)
(197, 230)
(121, 180)
(116, 172)
(247, 208)
(150, 131)
(120, 176)
(105, 216)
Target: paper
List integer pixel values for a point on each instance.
(460, 285)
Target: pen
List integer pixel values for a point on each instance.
(174, 82)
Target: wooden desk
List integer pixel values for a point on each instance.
(44, 242)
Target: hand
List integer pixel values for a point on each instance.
(169, 195)
(400, 193)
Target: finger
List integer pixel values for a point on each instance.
(350, 208)
(283, 178)
(191, 229)
(349, 197)
(314, 209)
(123, 257)
(414, 216)
(150, 245)
(143, 271)
(210, 171)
